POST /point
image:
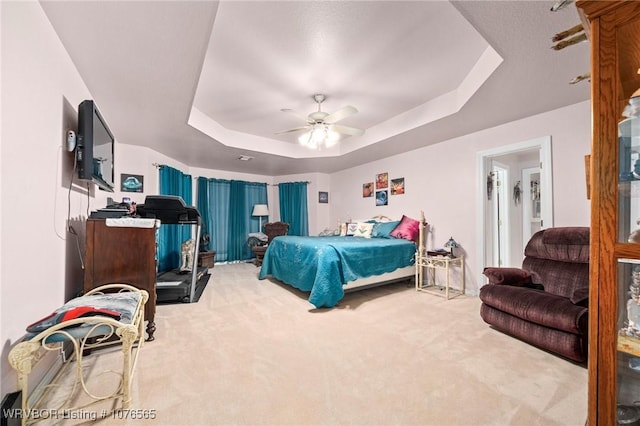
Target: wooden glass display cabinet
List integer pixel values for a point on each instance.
(614, 303)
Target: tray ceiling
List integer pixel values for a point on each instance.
(205, 82)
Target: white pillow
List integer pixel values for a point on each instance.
(351, 229)
(363, 230)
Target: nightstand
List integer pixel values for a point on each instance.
(207, 258)
(433, 264)
(259, 252)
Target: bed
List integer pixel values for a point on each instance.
(326, 266)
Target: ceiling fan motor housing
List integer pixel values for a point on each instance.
(318, 116)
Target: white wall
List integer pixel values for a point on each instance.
(40, 89)
(441, 180)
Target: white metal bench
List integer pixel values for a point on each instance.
(85, 334)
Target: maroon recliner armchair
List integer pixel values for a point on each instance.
(545, 302)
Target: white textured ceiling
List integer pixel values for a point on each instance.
(204, 82)
(264, 57)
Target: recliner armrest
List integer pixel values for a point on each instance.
(580, 297)
(507, 276)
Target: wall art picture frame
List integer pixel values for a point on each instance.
(382, 180)
(367, 190)
(382, 198)
(131, 183)
(397, 186)
(323, 197)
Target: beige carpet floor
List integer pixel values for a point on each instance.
(254, 352)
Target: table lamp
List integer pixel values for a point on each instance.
(260, 210)
(451, 244)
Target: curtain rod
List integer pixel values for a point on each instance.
(268, 184)
(298, 181)
(157, 165)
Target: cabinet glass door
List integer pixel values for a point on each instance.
(629, 133)
(628, 289)
(629, 183)
(628, 342)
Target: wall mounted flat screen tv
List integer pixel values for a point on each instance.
(95, 147)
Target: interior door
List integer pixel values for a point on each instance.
(500, 213)
(532, 220)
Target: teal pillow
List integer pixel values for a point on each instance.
(383, 229)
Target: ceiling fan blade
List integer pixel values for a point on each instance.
(304, 118)
(352, 131)
(295, 129)
(340, 114)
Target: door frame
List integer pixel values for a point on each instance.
(483, 166)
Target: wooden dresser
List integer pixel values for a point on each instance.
(124, 254)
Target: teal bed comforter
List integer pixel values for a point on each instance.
(322, 265)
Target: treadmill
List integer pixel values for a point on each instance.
(173, 285)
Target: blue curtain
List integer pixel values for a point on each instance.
(293, 207)
(202, 199)
(229, 204)
(171, 237)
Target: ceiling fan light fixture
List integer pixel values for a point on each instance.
(320, 129)
(303, 138)
(331, 137)
(320, 135)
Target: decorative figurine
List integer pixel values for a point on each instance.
(633, 306)
(516, 193)
(188, 249)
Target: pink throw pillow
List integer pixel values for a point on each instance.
(408, 228)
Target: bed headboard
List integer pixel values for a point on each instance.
(382, 218)
(422, 243)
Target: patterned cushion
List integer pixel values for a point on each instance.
(351, 229)
(363, 230)
(110, 304)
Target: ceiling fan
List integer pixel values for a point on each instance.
(321, 128)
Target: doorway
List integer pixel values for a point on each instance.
(532, 154)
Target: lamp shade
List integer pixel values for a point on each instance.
(260, 210)
(451, 243)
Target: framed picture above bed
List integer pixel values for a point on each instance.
(367, 190)
(382, 198)
(382, 180)
(323, 197)
(397, 186)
